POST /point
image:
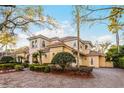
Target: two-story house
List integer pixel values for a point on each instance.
(51, 46)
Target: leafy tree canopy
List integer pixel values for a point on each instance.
(63, 58)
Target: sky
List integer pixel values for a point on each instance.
(63, 15)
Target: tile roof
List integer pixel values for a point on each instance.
(95, 53)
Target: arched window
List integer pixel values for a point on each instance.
(91, 61)
(53, 54)
(74, 45)
(35, 43)
(32, 44)
(81, 46)
(43, 44)
(45, 55)
(86, 46)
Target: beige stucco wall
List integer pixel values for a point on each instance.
(54, 51)
(85, 61)
(39, 46)
(109, 64)
(83, 50)
(95, 61)
(102, 61)
(22, 55)
(46, 58)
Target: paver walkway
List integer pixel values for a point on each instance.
(104, 77)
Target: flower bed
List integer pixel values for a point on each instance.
(69, 71)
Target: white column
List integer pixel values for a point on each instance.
(30, 59)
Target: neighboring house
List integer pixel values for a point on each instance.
(22, 54)
(52, 46)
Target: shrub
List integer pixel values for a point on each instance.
(7, 66)
(7, 59)
(31, 67)
(46, 64)
(19, 67)
(35, 62)
(121, 62)
(85, 69)
(63, 59)
(39, 68)
(36, 67)
(26, 61)
(47, 69)
(25, 65)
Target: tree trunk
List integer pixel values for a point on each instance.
(78, 35)
(6, 51)
(117, 42)
(41, 59)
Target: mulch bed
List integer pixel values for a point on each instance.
(73, 74)
(7, 71)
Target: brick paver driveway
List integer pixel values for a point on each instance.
(103, 77)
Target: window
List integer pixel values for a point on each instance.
(45, 55)
(35, 43)
(81, 46)
(53, 54)
(32, 44)
(86, 46)
(43, 44)
(74, 45)
(91, 61)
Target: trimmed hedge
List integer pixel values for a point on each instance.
(39, 68)
(7, 66)
(25, 65)
(47, 69)
(19, 67)
(85, 69)
(7, 59)
(31, 66)
(121, 62)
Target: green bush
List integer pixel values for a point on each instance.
(26, 61)
(7, 59)
(19, 67)
(31, 67)
(85, 69)
(47, 69)
(121, 62)
(7, 66)
(25, 65)
(63, 59)
(39, 68)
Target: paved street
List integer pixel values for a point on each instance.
(103, 77)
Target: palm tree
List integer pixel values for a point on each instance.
(35, 55)
(115, 24)
(40, 53)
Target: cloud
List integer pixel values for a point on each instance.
(66, 29)
(51, 33)
(22, 36)
(105, 38)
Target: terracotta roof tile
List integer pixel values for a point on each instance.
(95, 53)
